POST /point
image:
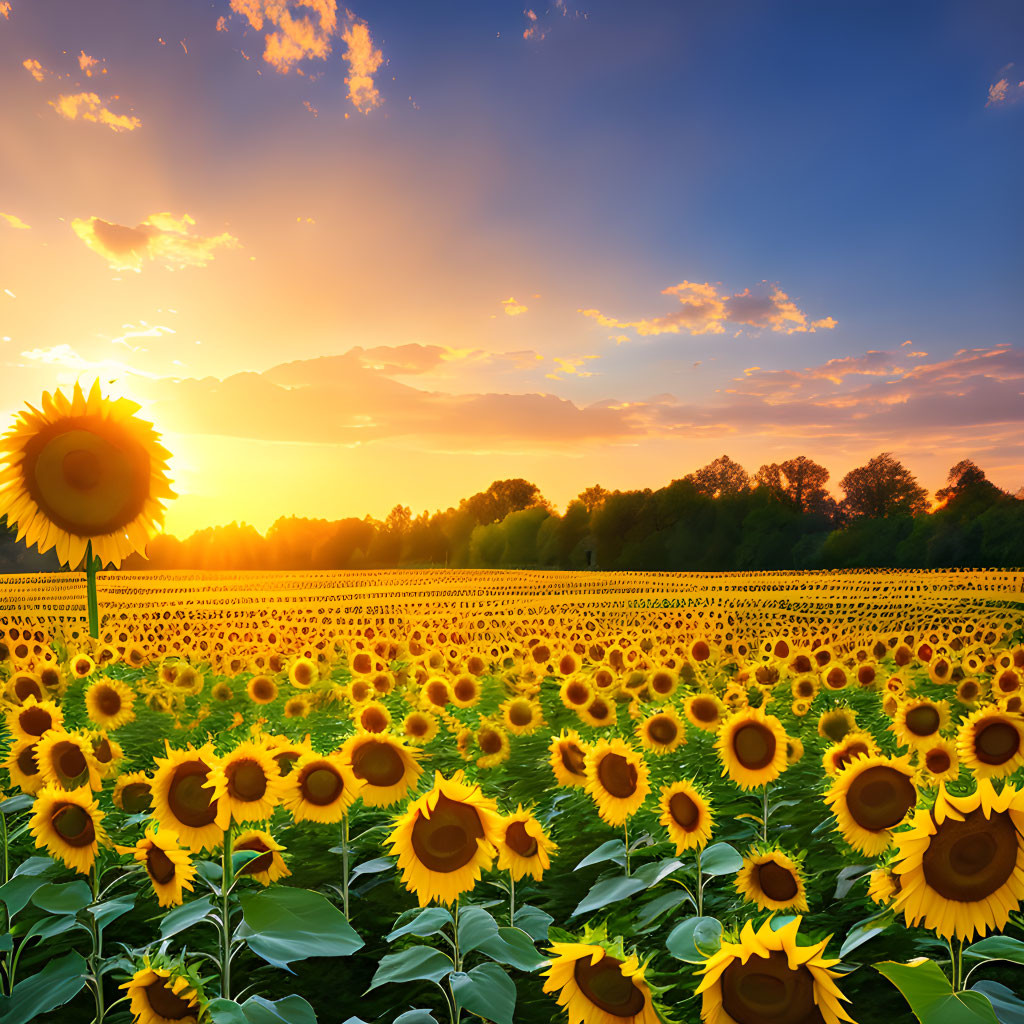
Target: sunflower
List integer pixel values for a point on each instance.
(22, 767)
(853, 744)
(182, 800)
(616, 780)
(704, 711)
(302, 673)
(686, 814)
(804, 688)
(834, 725)
(662, 732)
(385, 766)
(321, 787)
(961, 866)
(160, 996)
(33, 718)
(445, 839)
(66, 759)
(269, 866)
(524, 848)
(107, 752)
(67, 824)
(794, 749)
(969, 691)
(883, 886)
(108, 702)
(372, 717)
(662, 683)
(599, 712)
(436, 694)
(359, 690)
(576, 692)
(752, 748)
(248, 781)
(938, 763)
(521, 716)
(492, 739)
(467, 690)
(261, 689)
(82, 666)
(869, 798)
(83, 470)
(772, 880)
(918, 721)
(596, 985)
(286, 753)
(23, 685)
(991, 743)
(297, 707)
(766, 976)
(834, 677)
(568, 754)
(133, 793)
(420, 727)
(168, 864)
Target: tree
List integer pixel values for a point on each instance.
(723, 476)
(503, 497)
(882, 488)
(593, 496)
(964, 476)
(800, 480)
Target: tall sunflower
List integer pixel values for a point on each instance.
(249, 782)
(167, 863)
(991, 742)
(81, 470)
(184, 802)
(524, 848)
(597, 983)
(662, 732)
(269, 866)
(961, 867)
(616, 780)
(686, 814)
(918, 721)
(321, 787)
(33, 718)
(108, 702)
(445, 839)
(752, 748)
(159, 995)
(23, 768)
(66, 759)
(133, 793)
(386, 767)
(568, 754)
(767, 976)
(772, 880)
(68, 825)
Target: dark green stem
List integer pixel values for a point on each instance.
(227, 880)
(700, 887)
(96, 958)
(91, 568)
(344, 864)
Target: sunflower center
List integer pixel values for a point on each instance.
(417, 725)
(373, 720)
(303, 674)
(378, 763)
(136, 797)
(996, 742)
(447, 840)
(801, 663)
(700, 651)
(835, 727)
(805, 688)
(362, 663)
(489, 741)
(74, 825)
(970, 860)
(25, 687)
(108, 700)
(879, 797)
(599, 709)
(159, 865)
(662, 729)
(464, 690)
(776, 882)
(836, 678)
(617, 775)
(520, 713)
(704, 709)
(684, 810)
(923, 720)
(662, 682)
(164, 1002)
(103, 752)
(573, 759)
(27, 761)
(577, 693)
(520, 840)
(754, 745)
(246, 780)
(607, 987)
(70, 764)
(259, 864)
(35, 721)
(848, 752)
(190, 802)
(765, 990)
(322, 786)
(262, 688)
(937, 761)
(82, 469)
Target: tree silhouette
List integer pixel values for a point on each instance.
(882, 488)
(723, 476)
(503, 497)
(802, 481)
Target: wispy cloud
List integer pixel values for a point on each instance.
(513, 307)
(363, 62)
(15, 222)
(161, 238)
(1008, 89)
(91, 65)
(291, 36)
(705, 309)
(34, 68)
(5, 10)
(87, 106)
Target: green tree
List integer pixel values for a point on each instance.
(884, 487)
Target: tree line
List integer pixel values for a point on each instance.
(719, 518)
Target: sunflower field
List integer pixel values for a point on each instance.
(438, 797)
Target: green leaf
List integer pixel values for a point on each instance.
(720, 859)
(59, 981)
(534, 921)
(50, 927)
(239, 858)
(13, 804)
(997, 947)
(289, 1010)
(486, 991)
(418, 963)
(111, 910)
(413, 1017)
(931, 996)
(283, 924)
(371, 867)
(609, 890)
(29, 876)
(614, 849)
(188, 914)
(1008, 1007)
(848, 877)
(864, 931)
(655, 871)
(226, 1011)
(648, 913)
(428, 921)
(62, 898)
(475, 927)
(514, 947)
(695, 939)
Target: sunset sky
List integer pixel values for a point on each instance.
(350, 258)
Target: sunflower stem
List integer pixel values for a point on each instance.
(344, 864)
(700, 887)
(91, 567)
(625, 838)
(96, 957)
(226, 883)
(764, 812)
(511, 900)
(456, 1009)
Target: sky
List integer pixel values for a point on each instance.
(349, 258)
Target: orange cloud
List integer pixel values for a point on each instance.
(293, 38)
(5, 10)
(35, 69)
(363, 61)
(91, 65)
(1006, 90)
(570, 368)
(512, 307)
(161, 238)
(706, 310)
(15, 222)
(87, 106)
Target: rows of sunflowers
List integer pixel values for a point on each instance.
(629, 827)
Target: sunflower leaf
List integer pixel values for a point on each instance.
(1008, 1007)
(610, 890)
(931, 996)
(428, 921)
(514, 947)
(417, 963)
(487, 991)
(288, 1010)
(534, 921)
(13, 804)
(695, 939)
(720, 859)
(409, 1017)
(62, 898)
(997, 947)
(476, 926)
(29, 877)
(614, 849)
(188, 914)
(864, 931)
(59, 981)
(111, 910)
